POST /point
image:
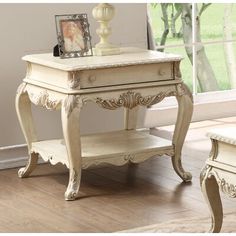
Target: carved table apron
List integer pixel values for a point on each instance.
(135, 78)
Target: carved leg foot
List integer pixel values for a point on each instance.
(210, 190)
(177, 164)
(72, 190)
(32, 162)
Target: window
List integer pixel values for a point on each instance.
(205, 34)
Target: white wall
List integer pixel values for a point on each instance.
(30, 28)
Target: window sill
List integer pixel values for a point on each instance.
(209, 105)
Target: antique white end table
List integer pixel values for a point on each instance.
(219, 173)
(135, 77)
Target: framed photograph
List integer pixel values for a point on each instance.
(73, 35)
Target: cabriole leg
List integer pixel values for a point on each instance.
(70, 113)
(210, 190)
(24, 113)
(185, 110)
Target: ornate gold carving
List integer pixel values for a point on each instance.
(132, 99)
(43, 99)
(227, 188)
(73, 80)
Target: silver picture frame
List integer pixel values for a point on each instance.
(73, 35)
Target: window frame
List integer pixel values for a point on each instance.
(224, 99)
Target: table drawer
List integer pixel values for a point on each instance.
(126, 75)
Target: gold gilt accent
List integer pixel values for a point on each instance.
(131, 99)
(227, 188)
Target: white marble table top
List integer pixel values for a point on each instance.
(128, 56)
(227, 135)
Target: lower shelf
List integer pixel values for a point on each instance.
(116, 148)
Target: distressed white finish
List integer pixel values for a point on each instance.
(136, 78)
(219, 173)
(128, 57)
(116, 148)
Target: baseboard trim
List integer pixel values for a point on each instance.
(16, 162)
(14, 156)
(13, 163)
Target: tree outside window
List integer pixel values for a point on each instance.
(205, 34)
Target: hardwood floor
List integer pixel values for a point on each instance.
(112, 198)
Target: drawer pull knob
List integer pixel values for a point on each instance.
(161, 72)
(92, 78)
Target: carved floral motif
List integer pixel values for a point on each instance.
(227, 188)
(43, 99)
(71, 102)
(128, 157)
(73, 187)
(184, 90)
(131, 99)
(73, 80)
